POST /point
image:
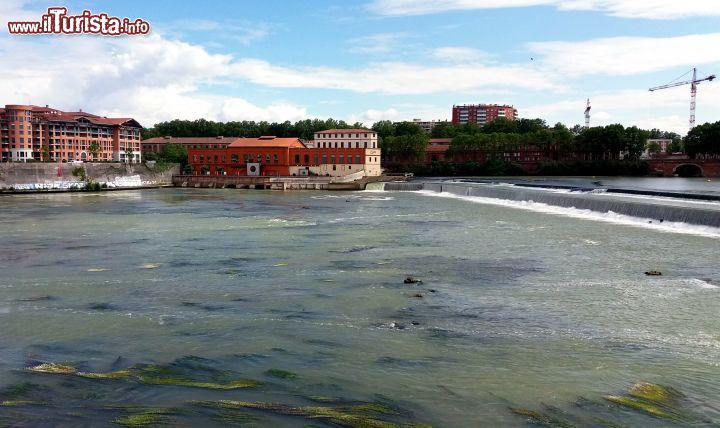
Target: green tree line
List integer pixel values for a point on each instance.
(206, 128)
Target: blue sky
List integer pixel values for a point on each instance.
(366, 60)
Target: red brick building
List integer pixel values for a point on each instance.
(481, 113)
(29, 132)
(273, 156)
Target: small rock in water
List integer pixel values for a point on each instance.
(653, 273)
(411, 280)
(36, 298)
(397, 326)
(417, 296)
(432, 290)
(415, 322)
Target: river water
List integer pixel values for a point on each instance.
(518, 308)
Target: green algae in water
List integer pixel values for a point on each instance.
(53, 368)
(652, 399)
(542, 418)
(184, 372)
(235, 418)
(282, 374)
(144, 419)
(359, 416)
(644, 406)
(21, 403)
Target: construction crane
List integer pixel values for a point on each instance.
(587, 114)
(693, 91)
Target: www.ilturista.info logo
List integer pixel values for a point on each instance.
(57, 21)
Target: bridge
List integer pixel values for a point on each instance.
(683, 166)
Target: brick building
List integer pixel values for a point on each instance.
(334, 154)
(481, 113)
(29, 132)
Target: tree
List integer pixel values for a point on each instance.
(703, 140)
(654, 148)
(501, 125)
(45, 152)
(94, 149)
(384, 129)
(407, 148)
(173, 153)
(635, 140)
(129, 155)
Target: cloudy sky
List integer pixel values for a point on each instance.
(366, 60)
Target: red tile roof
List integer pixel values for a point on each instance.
(434, 141)
(72, 116)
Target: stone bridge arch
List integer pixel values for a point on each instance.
(688, 169)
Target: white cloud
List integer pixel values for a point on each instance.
(394, 78)
(377, 43)
(646, 9)
(627, 55)
(148, 78)
(459, 54)
(244, 32)
(667, 110)
(371, 116)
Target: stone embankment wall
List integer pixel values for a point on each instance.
(44, 176)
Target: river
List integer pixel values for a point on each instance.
(524, 314)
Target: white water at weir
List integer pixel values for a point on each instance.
(661, 214)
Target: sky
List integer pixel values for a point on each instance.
(370, 60)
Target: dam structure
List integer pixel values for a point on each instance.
(643, 205)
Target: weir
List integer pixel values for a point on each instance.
(655, 210)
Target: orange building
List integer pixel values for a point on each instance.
(29, 132)
(273, 156)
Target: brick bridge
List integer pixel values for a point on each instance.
(684, 167)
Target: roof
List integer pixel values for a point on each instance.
(267, 142)
(338, 131)
(72, 116)
(434, 141)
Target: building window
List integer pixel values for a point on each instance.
(234, 158)
(297, 159)
(267, 158)
(246, 157)
(307, 159)
(342, 158)
(276, 159)
(194, 158)
(342, 145)
(332, 159)
(357, 159)
(366, 144)
(315, 159)
(324, 158)
(259, 158)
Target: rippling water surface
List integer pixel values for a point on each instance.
(303, 292)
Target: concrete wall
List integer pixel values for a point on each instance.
(39, 176)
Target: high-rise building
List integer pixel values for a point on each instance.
(29, 132)
(428, 125)
(481, 113)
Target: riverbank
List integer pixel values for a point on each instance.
(53, 177)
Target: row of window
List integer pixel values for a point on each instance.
(365, 135)
(305, 159)
(341, 145)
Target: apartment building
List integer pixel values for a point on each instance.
(29, 132)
